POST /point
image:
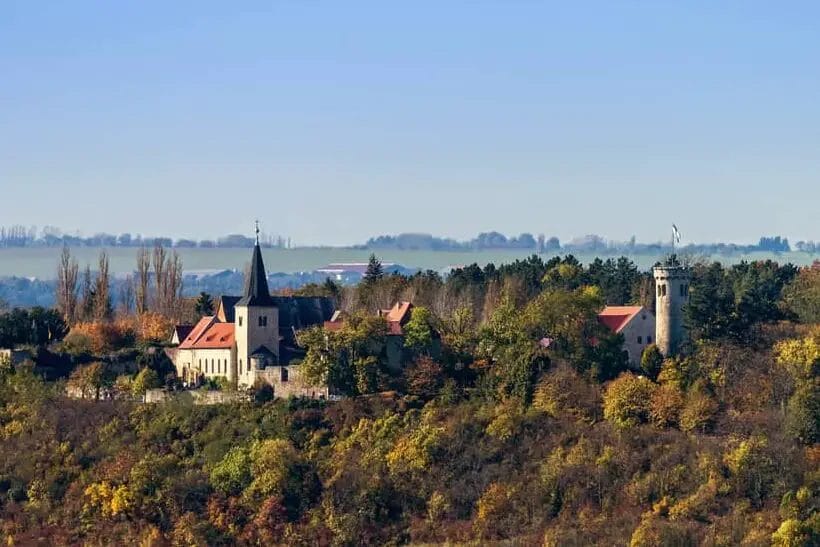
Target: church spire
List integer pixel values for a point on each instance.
(256, 286)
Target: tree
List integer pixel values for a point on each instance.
(418, 332)
(803, 412)
(204, 305)
(67, 277)
(102, 293)
(87, 380)
(802, 296)
(651, 361)
(87, 298)
(374, 271)
(145, 379)
(143, 280)
(628, 400)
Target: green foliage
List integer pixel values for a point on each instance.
(803, 412)
(651, 361)
(145, 379)
(802, 296)
(204, 304)
(233, 473)
(418, 331)
(374, 271)
(37, 326)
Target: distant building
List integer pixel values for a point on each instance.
(252, 337)
(635, 323)
(396, 318)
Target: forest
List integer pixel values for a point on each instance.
(485, 436)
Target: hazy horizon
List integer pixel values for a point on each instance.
(333, 123)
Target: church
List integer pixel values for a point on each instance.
(252, 338)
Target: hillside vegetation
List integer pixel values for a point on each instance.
(487, 435)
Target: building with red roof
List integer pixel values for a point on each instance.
(635, 323)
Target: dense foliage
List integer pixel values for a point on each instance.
(486, 433)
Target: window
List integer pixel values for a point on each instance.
(241, 370)
(239, 318)
(200, 364)
(283, 376)
(640, 339)
(659, 291)
(249, 365)
(683, 290)
(663, 290)
(263, 321)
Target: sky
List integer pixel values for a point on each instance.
(332, 122)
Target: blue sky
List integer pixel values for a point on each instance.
(335, 121)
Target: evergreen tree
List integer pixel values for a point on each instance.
(374, 270)
(204, 304)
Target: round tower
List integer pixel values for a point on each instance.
(671, 295)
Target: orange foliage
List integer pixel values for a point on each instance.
(154, 327)
(104, 336)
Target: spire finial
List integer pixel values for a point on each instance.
(257, 231)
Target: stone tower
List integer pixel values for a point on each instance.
(256, 324)
(671, 295)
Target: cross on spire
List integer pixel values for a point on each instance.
(257, 231)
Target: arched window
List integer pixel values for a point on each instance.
(663, 289)
(283, 375)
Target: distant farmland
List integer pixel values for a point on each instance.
(41, 262)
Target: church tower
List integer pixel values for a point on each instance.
(256, 324)
(671, 295)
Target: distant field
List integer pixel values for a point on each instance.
(42, 262)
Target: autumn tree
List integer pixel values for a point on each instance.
(628, 400)
(87, 380)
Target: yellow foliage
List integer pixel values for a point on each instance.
(506, 421)
(799, 357)
(107, 499)
(791, 533)
(628, 400)
(413, 452)
(492, 504)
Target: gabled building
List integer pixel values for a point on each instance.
(244, 340)
(635, 323)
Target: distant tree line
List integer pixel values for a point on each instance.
(587, 244)
(49, 236)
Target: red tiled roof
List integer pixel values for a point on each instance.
(398, 313)
(209, 334)
(219, 336)
(198, 330)
(616, 318)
